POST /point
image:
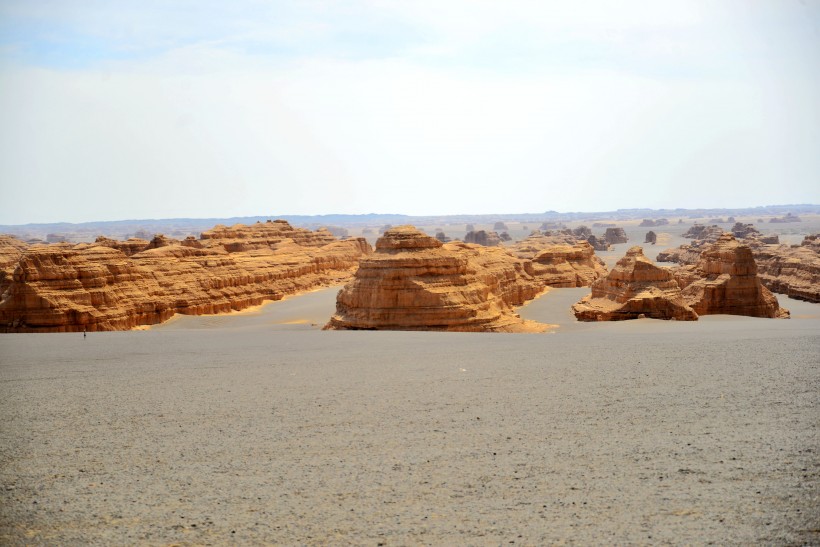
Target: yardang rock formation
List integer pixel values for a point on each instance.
(725, 281)
(64, 287)
(414, 282)
(634, 288)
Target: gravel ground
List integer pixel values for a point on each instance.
(263, 429)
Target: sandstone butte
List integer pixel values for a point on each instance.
(793, 270)
(562, 264)
(110, 285)
(725, 281)
(415, 282)
(634, 288)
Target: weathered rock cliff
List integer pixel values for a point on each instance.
(635, 287)
(725, 281)
(414, 282)
(57, 288)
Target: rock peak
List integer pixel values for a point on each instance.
(406, 238)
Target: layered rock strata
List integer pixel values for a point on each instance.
(568, 265)
(11, 249)
(793, 271)
(725, 281)
(414, 282)
(786, 269)
(58, 288)
(634, 288)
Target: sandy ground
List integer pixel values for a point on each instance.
(261, 428)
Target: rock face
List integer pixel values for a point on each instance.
(651, 237)
(634, 288)
(725, 281)
(484, 238)
(598, 243)
(414, 282)
(786, 269)
(61, 288)
(615, 235)
(568, 265)
(794, 271)
(11, 249)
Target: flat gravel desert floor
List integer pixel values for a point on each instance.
(259, 428)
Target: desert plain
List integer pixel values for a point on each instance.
(261, 428)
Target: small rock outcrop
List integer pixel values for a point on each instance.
(651, 237)
(725, 281)
(598, 243)
(634, 288)
(414, 282)
(784, 219)
(615, 236)
(483, 238)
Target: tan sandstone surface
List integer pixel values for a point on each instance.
(634, 288)
(62, 287)
(414, 282)
(725, 281)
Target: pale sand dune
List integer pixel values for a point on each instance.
(254, 431)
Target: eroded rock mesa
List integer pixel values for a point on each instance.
(724, 281)
(414, 282)
(634, 288)
(64, 287)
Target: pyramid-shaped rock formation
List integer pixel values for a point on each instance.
(725, 281)
(635, 287)
(414, 282)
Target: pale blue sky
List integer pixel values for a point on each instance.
(151, 109)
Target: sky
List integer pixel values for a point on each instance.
(169, 109)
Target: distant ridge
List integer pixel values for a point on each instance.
(193, 226)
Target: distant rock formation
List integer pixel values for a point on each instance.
(128, 248)
(568, 265)
(615, 235)
(414, 282)
(64, 287)
(504, 236)
(651, 237)
(793, 271)
(559, 259)
(649, 223)
(725, 281)
(788, 218)
(482, 237)
(603, 225)
(598, 243)
(500, 227)
(634, 288)
(582, 232)
(741, 230)
(441, 236)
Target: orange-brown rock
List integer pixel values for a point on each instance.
(725, 281)
(241, 237)
(131, 246)
(560, 262)
(11, 249)
(794, 271)
(414, 282)
(58, 288)
(634, 288)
